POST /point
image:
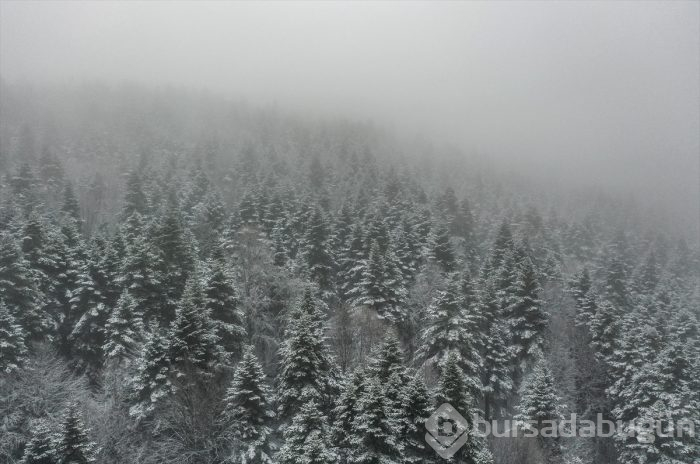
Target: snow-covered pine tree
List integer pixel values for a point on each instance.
(123, 331)
(450, 330)
(223, 308)
(496, 375)
(374, 437)
(376, 231)
(280, 252)
(388, 360)
(70, 206)
(207, 221)
(69, 294)
(319, 261)
(342, 231)
(88, 334)
(106, 254)
(306, 439)
(152, 379)
(345, 410)
(441, 249)
(351, 263)
(193, 339)
(18, 290)
(502, 246)
(50, 168)
(453, 390)
(526, 318)
(13, 349)
(408, 249)
(382, 288)
(177, 258)
(394, 390)
(135, 200)
(307, 368)
(462, 224)
(655, 384)
(247, 413)
(539, 406)
(584, 298)
(605, 329)
(40, 447)
(417, 407)
(139, 275)
(24, 188)
(497, 378)
(73, 445)
(616, 291)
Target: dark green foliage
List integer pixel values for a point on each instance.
(71, 207)
(135, 200)
(73, 445)
(453, 390)
(18, 290)
(40, 447)
(540, 405)
(373, 438)
(527, 320)
(247, 415)
(122, 331)
(318, 261)
(306, 439)
(13, 350)
(222, 305)
(442, 251)
(451, 328)
(307, 370)
(151, 382)
(193, 339)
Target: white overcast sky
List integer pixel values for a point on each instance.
(605, 92)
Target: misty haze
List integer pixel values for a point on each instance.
(349, 232)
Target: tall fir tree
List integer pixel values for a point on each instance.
(374, 437)
(345, 411)
(176, 257)
(307, 368)
(70, 206)
(307, 438)
(18, 289)
(193, 340)
(135, 200)
(382, 288)
(248, 413)
(152, 380)
(73, 445)
(441, 249)
(69, 294)
(222, 305)
(453, 390)
(123, 331)
(318, 260)
(40, 447)
(449, 329)
(13, 350)
(527, 319)
(417, 407)
(388, 360)
(351, 262)
(540, 407)
(139, 275)
(581, 291)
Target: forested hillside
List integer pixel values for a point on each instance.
(185, 279)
